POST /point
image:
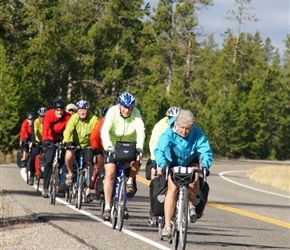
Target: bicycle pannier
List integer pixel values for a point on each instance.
(89, 177)
(158, 190)
(125, 151)
(201, 198)
(39, 165)
(100, 179)
(19, 157)
(149, 165)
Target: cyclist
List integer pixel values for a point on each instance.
(78, 132)
(71, 108)
(54, 123)
(157, 131)
(123, 122)
(26, 132)
(97, 146)
(181, 145)
(36, 146)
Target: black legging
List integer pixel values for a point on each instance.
(49, 155)
(35, 150)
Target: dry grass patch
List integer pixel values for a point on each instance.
(273, 176)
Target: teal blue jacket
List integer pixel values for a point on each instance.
(180, 151)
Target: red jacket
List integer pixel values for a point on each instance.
(52, 127)
(95, 139)
(25, 132)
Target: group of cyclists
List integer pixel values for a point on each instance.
(175, 141)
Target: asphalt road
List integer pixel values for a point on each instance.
(240, 214)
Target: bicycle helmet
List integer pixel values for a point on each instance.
(59, 104)
(83, 104)
(104, 111)
(126, 99)
(42, 111)
(30, 115)
(173, 111)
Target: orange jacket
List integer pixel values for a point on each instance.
(95, 138)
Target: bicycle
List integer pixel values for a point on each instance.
(119, 196)
(77, 189)
(54, 178)
(182, 176)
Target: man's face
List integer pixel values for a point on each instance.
(30, 121)
(71, 111)
(125, 110)
(41, 117)
(59, 112)
(83, 113)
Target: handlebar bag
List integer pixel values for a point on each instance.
(125, 151)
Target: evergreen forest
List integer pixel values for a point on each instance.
(96, 49)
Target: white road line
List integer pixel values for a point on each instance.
(239, 184)
(128, 232)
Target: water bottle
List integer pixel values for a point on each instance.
(81, 162)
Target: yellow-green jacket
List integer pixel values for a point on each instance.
(116, 128)
(38, 130)
(79, 131)
(157, 131)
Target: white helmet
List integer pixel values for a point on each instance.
(173, 111)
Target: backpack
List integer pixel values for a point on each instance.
(158, 190)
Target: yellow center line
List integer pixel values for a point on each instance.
(232, 209)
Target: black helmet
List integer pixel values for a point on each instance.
(30, 115)
(104, 111)
(59, 104)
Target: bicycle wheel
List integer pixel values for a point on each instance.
(183, 223)
(121, 203)
(37, 183)
(80, 190)
(55, 181)
(27, 171)
(114, 214)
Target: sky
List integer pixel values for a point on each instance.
(273, 15)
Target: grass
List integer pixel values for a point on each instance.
(273, 176)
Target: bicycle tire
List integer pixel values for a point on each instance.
(80, 190)
(55, 181)
(121, 203)
(184, 221)
(102, 204)
(114, 215)
(27, 171)
(37, 183)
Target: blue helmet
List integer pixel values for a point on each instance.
(104, 111)
(42, 111)
(83, 104)
(126, 99)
